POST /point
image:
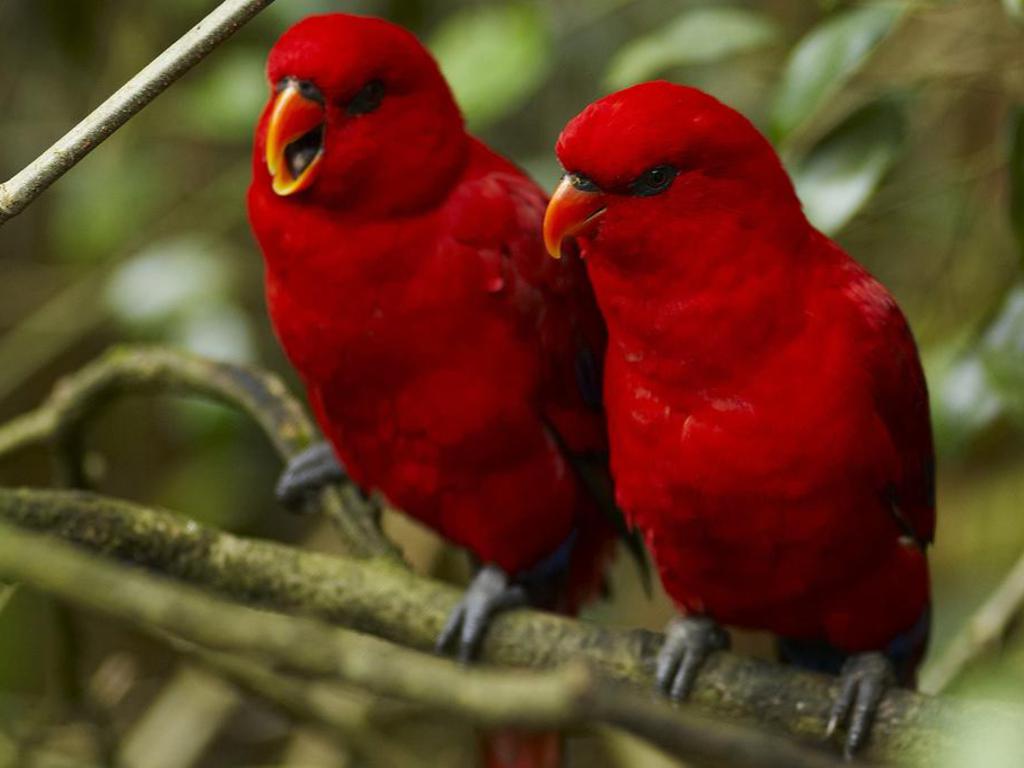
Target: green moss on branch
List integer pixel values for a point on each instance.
(392, 603)
(133, 370)
(568, 696)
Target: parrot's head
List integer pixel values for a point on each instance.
(359, 117)
(658, 165)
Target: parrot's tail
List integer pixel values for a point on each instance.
(591, 554)
(521, 749)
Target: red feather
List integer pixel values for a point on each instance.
(409, 286)
(767, 409)
(436, 338)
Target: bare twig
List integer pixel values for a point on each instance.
(189, 50)
(559, 698)
(375, 596)
(180, 724)
(981, 634)
(262, 396)
(327, 704)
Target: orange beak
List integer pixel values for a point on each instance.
(295, 137)
(571, 212)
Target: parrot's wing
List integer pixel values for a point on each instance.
(901, 402)
(595, 475)
(500, 215)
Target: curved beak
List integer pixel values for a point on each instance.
(570, 212)
(295, 137)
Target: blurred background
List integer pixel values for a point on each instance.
(902, 123)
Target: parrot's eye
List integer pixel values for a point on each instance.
(581, 182)
(653, 181)
(367, 99)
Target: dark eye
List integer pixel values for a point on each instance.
(581, 182)
(367, 99)
(653, 181)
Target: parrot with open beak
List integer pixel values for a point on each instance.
(452, 366)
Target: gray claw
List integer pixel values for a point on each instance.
(308, 472)
(489, 593)
(863, 682)
(688, 643)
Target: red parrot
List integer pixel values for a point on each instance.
(451, 364)
(767, 411)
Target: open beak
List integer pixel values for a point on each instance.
(295, 137)
(570, 213)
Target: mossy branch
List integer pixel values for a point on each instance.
(79, 397)
(559, 698)
(380, 598)
(372, 592)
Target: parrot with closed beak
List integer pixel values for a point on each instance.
(767, 411)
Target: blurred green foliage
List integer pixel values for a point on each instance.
(494, 56)
(841, 172)
(903, 126)
(824, 59)
(696, 36)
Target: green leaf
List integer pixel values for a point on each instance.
(6, 593)
(1016, 173)
(168, 279)
(218, 330)
(1002, 353)
(981, 386)
(108, 195)
(964, 403)
(225, 102)
(838, 175)
(494, 56)
(824, 59)
(697, 36)
(1014, 9)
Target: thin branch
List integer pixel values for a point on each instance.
(263, 397)
(179, 724)
(985, 630)
(375, 596)
(570, 696)
(160, 73)
(327, 704)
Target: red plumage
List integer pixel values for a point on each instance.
(767, 410)
(436, 338)
(408, 284)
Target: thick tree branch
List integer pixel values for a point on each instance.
(388, 601)
(985, 630)
(379, 596)
(263, 397)
(160, 73)
(565, 697)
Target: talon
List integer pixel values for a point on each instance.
(490, 592)
(689, 641)
(307, 473)
(863, 681)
